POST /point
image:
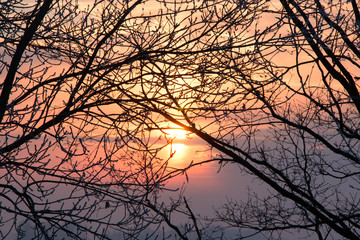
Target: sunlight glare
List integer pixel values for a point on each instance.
(177, 148)
(177, 154)
(176, 133)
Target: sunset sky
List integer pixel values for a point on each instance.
(123, 119)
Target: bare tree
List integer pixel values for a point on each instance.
(271, 85)
(283, 104)
(82, 88)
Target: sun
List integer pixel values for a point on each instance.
(176, 133)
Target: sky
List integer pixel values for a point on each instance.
(209, 185)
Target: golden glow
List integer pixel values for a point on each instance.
(178, 154)
(176, 133)
(177, 147)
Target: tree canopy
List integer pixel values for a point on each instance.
(86, 88)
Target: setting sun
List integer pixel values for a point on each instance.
(176, 133)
